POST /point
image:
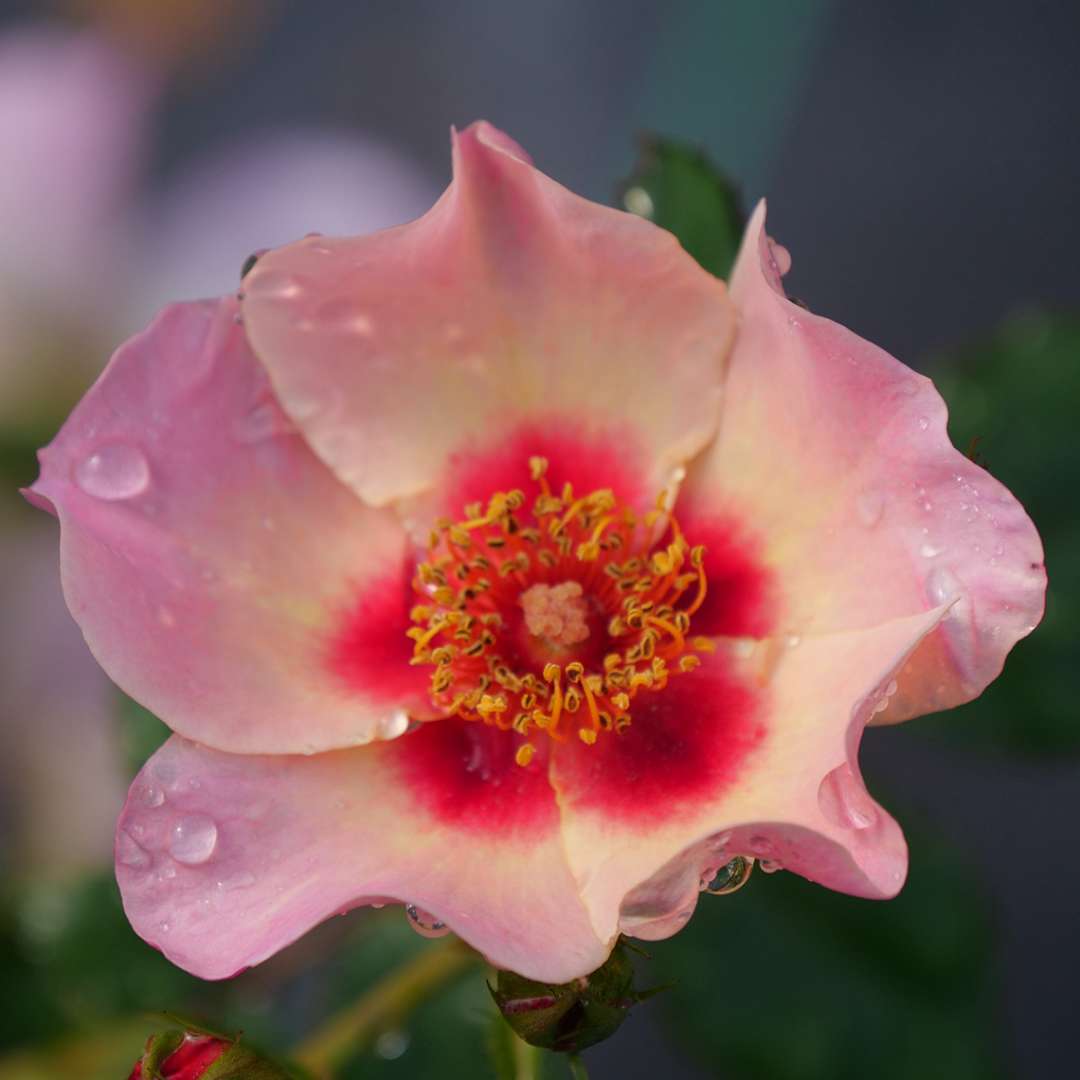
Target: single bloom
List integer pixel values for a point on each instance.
(508, 565)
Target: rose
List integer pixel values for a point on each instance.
(507, 565)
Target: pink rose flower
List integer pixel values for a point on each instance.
(509, 565)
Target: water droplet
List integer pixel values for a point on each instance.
(941, 586)
(130, 852)
(390, 1045)
(769, 866)
(928, 551)
(638, 201)
(193, 839)
(924, 423)
(731, 877)
(164, 927)
(870, 505)
(779, 256)
(397, 723)
(152, 795)
(844, 801)
(793, 640)
(424, 923)
(114, 471)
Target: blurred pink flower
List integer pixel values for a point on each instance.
(73, 113)
(86, 249)
(552, 718)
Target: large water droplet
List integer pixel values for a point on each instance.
(729, 878)
(844, 801)
(114, 471)
(193, 839)
(424, 923)
(130, 852)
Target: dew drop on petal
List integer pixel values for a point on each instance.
(130, 852)
(152, 795)
(929, 551)
(941, 586)
(769, 866)
(924, 423)
(638, 201)
(729, 878)
(424, 923)
(113, 472)
(394, 725)
(193, 839)
(844, 801)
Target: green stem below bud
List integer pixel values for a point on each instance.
(383, 1006)
(577, 1067)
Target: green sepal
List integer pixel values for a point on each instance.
(158, 1048)
(572, 1016)
(678, 188)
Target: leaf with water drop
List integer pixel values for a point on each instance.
(678, 188)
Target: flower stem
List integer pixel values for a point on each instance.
(577, 1067)
(526, 1059)
(382, 1006)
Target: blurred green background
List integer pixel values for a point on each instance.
(919, 166)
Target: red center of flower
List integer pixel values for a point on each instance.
(550, 619)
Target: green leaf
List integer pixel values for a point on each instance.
(678, 188)
(141, 732)
(789, 981)
(1016, 396)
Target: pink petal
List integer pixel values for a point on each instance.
(754, 754)
(837, 455)
(511, 303)
(224, 859)
(219, 572)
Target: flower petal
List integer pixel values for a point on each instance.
(750, 754)
(838, 456)
(224, 859)
(219, 572)
(512, 302)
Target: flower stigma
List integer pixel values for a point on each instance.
(550, 619)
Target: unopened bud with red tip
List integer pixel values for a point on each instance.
(196, 1055)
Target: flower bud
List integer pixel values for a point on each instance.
(196, 1055)
(575, 1015)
